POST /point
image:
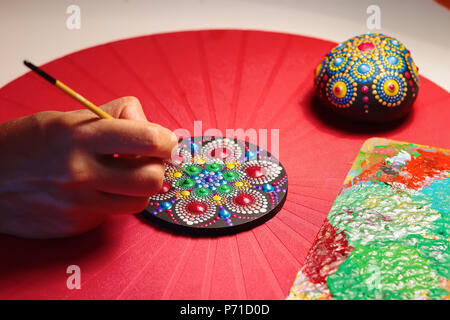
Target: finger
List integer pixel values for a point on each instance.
(132, 177)
(125, 108)
(111, 136)
(105, 203)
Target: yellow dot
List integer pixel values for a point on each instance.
(391, 87)
(230, 166)
(185, 193)
(177, 174)
(318, 69)
(201, 161)
(239, 184)
(217, 198)
(339, 89)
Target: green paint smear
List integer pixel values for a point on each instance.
(401, 240)
(435, 251)
(393, 271)
(372, 213)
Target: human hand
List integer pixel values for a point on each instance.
(57, 174)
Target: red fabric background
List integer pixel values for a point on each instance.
(228, 79)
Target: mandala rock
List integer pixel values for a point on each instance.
(370, 77)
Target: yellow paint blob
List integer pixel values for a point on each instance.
(318, 69)
(177, 174)
(340, 89)
(391, 87)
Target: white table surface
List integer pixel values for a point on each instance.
(37, 30)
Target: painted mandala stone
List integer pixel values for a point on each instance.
(370, 77)
(226, 186)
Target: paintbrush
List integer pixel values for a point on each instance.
(85, 102)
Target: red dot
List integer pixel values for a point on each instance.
(365, 99)
(220, 153)
(255, 172)
(196, 207)
(165, 187)
(410, 83)
(391, 87)
(407, 75)
(365, 46)
(325, 77)
(366, 106)
(243, 199)
(337, 89)
(365, 89)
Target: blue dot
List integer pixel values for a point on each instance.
(212, 188)
(268, 188)
(194, 146)
(223, 181)
(195, 177)
(166, 205)
(338, 61)
(250, 155)
(223, 213)
(363, 68)
(198, 185)
(392, 60)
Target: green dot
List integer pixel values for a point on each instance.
(192, 169)
(202, 192)
(225, 189)
(231, 175)
(186, 183)
(214, 167)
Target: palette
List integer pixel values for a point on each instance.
(226, 186)
(387, 233)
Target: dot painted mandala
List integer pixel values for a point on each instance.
(369, 77)
(225, 186)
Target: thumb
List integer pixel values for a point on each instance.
(125, 108)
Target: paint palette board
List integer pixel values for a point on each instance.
(387, 233)
(226, 186)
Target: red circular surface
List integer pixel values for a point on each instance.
(227, 79)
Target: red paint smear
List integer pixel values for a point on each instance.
(428, 164)
(329, 251)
